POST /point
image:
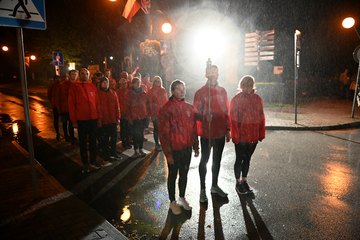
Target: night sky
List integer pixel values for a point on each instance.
(326, 47)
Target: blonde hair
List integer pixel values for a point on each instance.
(157, 78)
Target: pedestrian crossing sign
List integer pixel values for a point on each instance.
(23, 13)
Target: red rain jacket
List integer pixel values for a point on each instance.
(219, 105)
(83, 102)
(177, 126)
(109, 107)
(247, 118)
(54, 94)
(157, 99)
(64, 95)
(137, 105)
(122, 96)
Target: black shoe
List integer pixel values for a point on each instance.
(247, 187)
(57, 137)
(240, 188)
(115, 156)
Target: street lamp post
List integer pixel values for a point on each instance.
(296, 67)
(347, 23)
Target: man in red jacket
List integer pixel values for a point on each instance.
(68, 129)
(177, 132)
(212, 103)
(247, 128)
(54, 98)
(84, 114)
(109, 118)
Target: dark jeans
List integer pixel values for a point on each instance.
(156, 131)
(108, 138)
(67, 126)
(218, 147)
(138, 133)
(124, 132)
(87, 134)
(56, 120)
(243, 152)
(181, 165)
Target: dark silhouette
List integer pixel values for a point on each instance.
(173, 224)
(21, 4)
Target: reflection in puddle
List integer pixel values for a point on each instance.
(337, 179)
(125, 216)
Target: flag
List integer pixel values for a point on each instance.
(131, 8)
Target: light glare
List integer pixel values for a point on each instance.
(348, 22)
(166, 28)
(5, 48)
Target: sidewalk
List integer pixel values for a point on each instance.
(54, 214)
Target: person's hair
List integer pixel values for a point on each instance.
(174, 84)
(135, 79)
(157, 78)
(73, 71)
(245, 80)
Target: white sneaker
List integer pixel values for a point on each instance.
(218, 191)
(142, 153)
(175, 208)
(106, 164)
(182, 202)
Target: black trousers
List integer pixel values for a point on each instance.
(138, 133)
(87, 134)
(124, 132)
(56, 120)
(243, 152)
(156, 131)
(108, 138)
(218, 147)
(181, 165)
(68, 128)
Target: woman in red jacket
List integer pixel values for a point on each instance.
(157, 98)
(109, 119)
(137, 112)
(177, 133)
(247, 128)
(122, 92)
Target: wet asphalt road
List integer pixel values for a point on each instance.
(306, 186)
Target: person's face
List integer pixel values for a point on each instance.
(107, 74)
(73, 76)
(213, 75)
(104, 85)
(179, 91)
(136, 84)
(84, 75)
(157, 82)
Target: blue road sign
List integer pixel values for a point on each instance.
(58, 59)
(23, 13)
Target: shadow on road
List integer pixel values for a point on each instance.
(256, 228)
(173, 224)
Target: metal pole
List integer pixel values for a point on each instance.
(295, 76)
(24, 88)
(356, 92)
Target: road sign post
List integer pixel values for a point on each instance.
(32, 15)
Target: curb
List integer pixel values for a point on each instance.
(301, 127)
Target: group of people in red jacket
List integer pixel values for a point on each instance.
(98, 106)
(215, 121)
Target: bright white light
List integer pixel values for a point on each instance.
(33, 57)
(209, 43)
(348, 22)
(166, 28)
(71, 66)
(111, 57)
(5, 48)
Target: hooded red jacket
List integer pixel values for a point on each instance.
(83, 102)
(157, 98)
(54, 94)
(177, 126)
(108, 106)
(219, 105)
(122, 96)
(247, 118)
(137, 105)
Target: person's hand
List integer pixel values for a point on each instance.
(197, 152)
(228, 136)
(170, 160)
